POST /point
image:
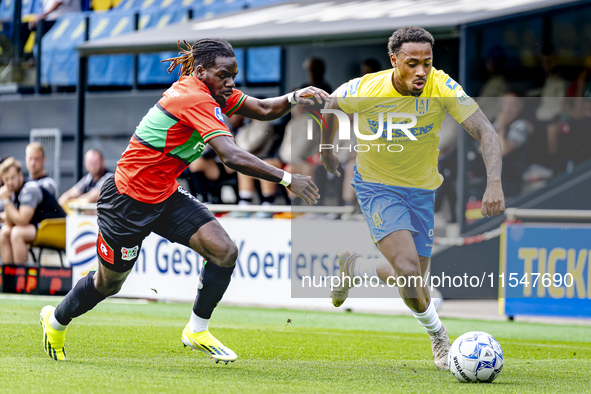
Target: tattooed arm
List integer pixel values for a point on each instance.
(478, 126)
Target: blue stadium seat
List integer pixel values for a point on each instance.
(110, 70)
(27, 10)
(151, 70)
(261, 3)
(263, 65)
(59, 65)
(210, 8)
(6, 10)
(240, 60)
(128, 5)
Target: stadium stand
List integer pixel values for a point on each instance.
(113, 69)
(60, 60)
(113, 18)
(263, 65)
(30, 8)
(151, 70)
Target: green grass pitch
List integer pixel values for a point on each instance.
(126, 347)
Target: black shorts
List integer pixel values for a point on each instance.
(124, 223)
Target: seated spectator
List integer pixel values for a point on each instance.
(260, 139)
(514, 132)
(52, 10)
(25, 206)
(369, 66)
(496, 86)
(545, 151)
(208, 169)
(578, 107)
(35, 162)
(88, 188)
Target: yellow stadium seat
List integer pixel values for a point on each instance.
(102, 5)
(51, 234)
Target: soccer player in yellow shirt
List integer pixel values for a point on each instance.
(399, 114)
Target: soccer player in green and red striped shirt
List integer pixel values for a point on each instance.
(144, 196)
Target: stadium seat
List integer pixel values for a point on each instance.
(27, 10)
(59, 65)
(6, 10)
(262, 3)
(110, 70)
(101, 5)
(210, 8)
(263, 65)
(51, 235)
(151, 70)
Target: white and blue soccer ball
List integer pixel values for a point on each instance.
(476, 357)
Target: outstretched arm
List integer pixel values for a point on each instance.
(478, 126)
(276, 107)
(240, 160)
(327, 156)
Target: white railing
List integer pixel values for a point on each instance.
(216, 208)
(567, 214)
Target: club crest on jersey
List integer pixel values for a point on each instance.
(129, 254)
(218, 114)
(422, 105)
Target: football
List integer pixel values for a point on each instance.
(476, 357)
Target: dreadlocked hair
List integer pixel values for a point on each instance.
(203, 52)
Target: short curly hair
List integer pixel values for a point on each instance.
(408, 34)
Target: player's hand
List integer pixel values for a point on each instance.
(330, 161)
(5, 193)
(302, 186)
(306, 95)
(493, 202)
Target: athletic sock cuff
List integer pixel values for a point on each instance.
(221, 272)
(60, 319)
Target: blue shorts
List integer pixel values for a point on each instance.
(393, 208)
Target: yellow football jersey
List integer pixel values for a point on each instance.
(409, 157)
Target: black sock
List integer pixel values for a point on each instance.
(268, 199)
(215, 282)
(82, 298)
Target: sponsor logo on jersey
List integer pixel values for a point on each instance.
(354, 86)
(173, 93)
(398, 133)
(463, 98)
(186, 193)
(450, 83)
(344, 90)
(199, 147)
(422, 105)
(218, 114)
(129, 254)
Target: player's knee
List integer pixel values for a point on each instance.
(109, 288)
(229, 255)
(407, 268)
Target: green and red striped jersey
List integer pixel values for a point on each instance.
(171, 136)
